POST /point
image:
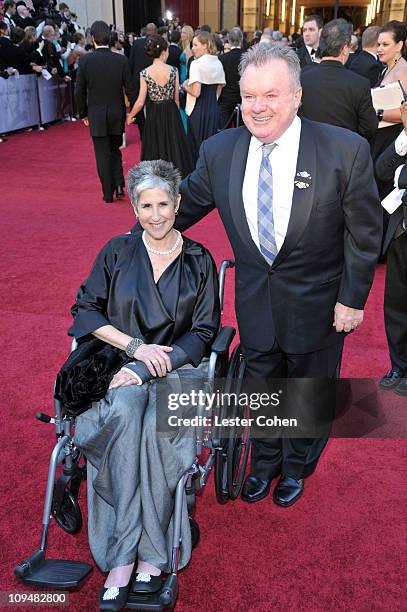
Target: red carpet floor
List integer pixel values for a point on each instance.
(342, 547)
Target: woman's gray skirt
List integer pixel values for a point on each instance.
(132, 474)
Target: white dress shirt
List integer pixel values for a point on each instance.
(309, 49)
(283, 161)
(401, 144)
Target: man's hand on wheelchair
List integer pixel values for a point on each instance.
(155, 357)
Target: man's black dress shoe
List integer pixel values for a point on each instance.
(145, 583)
(255, 489)
(108, 200)
(391, 380)
(119, 192)
(113, 598)
(288, 491)
(401, 388)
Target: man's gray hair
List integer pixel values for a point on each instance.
(263, 53)
(155, 174)
(370, 36)
(235, 37)
(334, 36)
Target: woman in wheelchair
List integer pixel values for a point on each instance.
(154, 295)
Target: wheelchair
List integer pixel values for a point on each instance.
(227, 455)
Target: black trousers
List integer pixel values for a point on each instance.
(109, 163)
(395, 303)
(225, 113)
(295, 457)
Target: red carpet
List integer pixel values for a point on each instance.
(343, 547)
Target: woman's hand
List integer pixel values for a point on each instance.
(155, 357)
(122, 379)
(130, 119)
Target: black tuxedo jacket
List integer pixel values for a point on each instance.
(304, 56)
(101, 78)
(367, 66)
(332, 243)
(386, 165)
(230, 95)
(332, 94)
(174, 53)
(138, 61)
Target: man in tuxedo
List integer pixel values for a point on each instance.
(23, 17)
(331, 93)
(311, 31)
(102, 79)
(138, 61)
(230, 95)
(300, 206)
(174, 51)
(366, 63)
(9, 15)
(392, 163)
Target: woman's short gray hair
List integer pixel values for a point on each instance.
(262, 53)
(155, 174)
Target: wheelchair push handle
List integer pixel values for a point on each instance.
(226, 263)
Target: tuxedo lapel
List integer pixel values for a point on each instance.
(303, 199)
(236, 178)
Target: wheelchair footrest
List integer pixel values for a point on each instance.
(57, 573)
(164, 599)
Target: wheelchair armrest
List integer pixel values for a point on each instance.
(223, 340)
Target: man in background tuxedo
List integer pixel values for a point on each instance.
(138, 61)
(331, 93)
(366, 63)
(300, 206)
(23, 17)
(9, 9)
(102, 79)
(392, 163)
(230, 95)
(174, 51)
(311, 31)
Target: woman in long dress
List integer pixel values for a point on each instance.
(204, 86)
(163, 135)
(155, 295)
(187, 35)
(392, 40)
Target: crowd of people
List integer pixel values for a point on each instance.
(300, 203)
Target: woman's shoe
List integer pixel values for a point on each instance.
(113, 598)
(146, 583)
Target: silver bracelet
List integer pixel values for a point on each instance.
(132, 346)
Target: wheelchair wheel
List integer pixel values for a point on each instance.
(69, 516)
(238, 445)
(221, 452)
(195, 532)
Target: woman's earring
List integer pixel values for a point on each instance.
(176, 212)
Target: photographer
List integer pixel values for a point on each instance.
(392, 164)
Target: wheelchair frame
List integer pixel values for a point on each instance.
(60, 496)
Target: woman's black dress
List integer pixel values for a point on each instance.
(164, 136)
(203, 121)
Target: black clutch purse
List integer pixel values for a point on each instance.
(86, 375)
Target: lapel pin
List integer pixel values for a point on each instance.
(302, 180)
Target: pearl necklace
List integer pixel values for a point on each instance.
(156, 252)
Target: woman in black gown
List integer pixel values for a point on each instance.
(204, 86)
(163, 135)
(392, 39)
